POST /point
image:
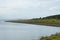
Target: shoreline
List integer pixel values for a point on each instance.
(45, 24)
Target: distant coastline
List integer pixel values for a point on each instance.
(55, 25)
(49, 21)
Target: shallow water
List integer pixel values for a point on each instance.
(19, 31)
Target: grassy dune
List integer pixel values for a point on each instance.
(52, 37)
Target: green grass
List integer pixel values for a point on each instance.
(52, 37)
(49, 21)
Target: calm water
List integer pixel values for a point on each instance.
(19, 31)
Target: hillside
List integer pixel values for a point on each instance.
(52, 17)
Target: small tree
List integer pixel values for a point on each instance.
(40, 17)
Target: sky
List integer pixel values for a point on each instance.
(26, 9)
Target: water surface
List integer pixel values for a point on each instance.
(19, 31)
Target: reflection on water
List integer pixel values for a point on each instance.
(19, 31)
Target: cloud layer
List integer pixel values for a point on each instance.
(28, 8)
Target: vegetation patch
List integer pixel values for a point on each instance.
(52, 37)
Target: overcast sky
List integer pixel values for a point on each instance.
(19, 9)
